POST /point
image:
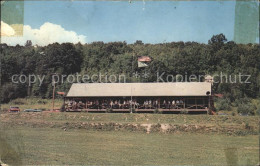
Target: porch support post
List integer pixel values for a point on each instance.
(184, 100)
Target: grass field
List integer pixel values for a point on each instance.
(33, 103)
(40, 139)
(61, 138)
(52, 146)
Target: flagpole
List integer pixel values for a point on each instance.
(53, 96)
(131, 108)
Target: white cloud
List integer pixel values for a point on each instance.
(47, 34)
(6, 30)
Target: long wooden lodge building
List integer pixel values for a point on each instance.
(139, 97)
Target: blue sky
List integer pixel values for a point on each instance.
(46, 22)
(149, 21)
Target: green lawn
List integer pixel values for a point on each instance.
(54, 146)
(39, 139)
(33, 103)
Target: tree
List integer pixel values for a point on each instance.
(173, 58)
(28, 43)
(138, 42)
(217, 39)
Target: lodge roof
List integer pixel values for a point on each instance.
(139, 89)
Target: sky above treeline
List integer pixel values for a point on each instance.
(46, 22)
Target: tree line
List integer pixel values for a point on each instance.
(175, 58)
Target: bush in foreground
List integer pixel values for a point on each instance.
(246, 109)
(223, 104)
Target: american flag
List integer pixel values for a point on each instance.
(144, 59)
(61, 93)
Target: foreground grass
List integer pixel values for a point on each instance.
(51, 146)
(33, 139)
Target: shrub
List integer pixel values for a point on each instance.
(241, 100)
(19, 101)
(246, 109)
(11, 91)
(258, 109)
(223, 104)
(41, 102)
(247, 126)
